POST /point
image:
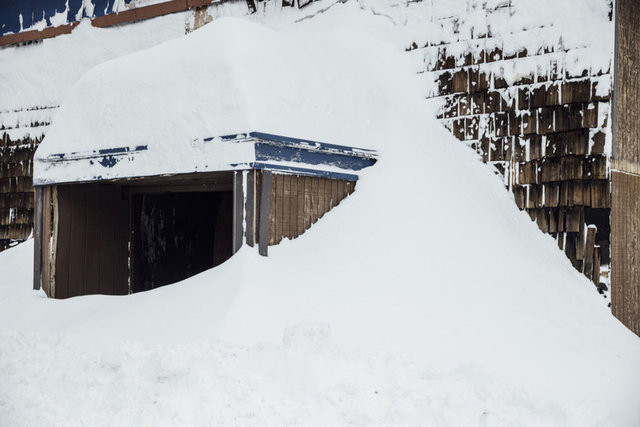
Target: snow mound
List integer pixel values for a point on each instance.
(232, 76)
(425, 297)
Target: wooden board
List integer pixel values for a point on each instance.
(625, 249)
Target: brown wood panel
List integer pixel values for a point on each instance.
(273, 212)
(77, 250)
(625, 249)
(286, 206)
(300, 220)
(627, 85)
(589, 248)
(46, 238)
(307, 202)
(92, 241)
(299, 201)
(314, 200)
(250, 209)
(38, 240)
(63, 249)
(107, 238)
(293, 217)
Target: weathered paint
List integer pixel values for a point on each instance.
(272, 152)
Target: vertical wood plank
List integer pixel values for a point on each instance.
(78, 231)
(121, 243)
(314, 199)
(238, 212)
(107, 235)
(265, 209)
(280, 207)
(300, 201)
(273, 209)
(588, 251)
(581, 242)
(286, 206)
(307, 202)
(293, 203)
(596, 265)
(92, 243)
(37, 236)
(337, 192)
(250, 209)
(63, 250)
(322, 199)
(54, 242)
(46, 239)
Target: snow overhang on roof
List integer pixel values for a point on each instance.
(253, 150)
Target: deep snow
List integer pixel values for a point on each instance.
(425, 298)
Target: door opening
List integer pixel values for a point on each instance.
(177, 235)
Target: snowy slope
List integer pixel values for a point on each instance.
(425, 298)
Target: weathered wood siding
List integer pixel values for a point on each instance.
(91, 250)
(16, 191)
(545, 131)
(297, 202)
(625, 214)
(625, 249)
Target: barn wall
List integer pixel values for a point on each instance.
(625, 216)
(544, 128)
(91, 241)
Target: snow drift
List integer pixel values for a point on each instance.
(426, 297)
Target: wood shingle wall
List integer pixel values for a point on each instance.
(20, 133)
(544, 128)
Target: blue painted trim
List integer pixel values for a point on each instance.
(303, 171)
(268, 152)
(313, 145)
(76, 155)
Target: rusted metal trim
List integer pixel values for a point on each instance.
(131, 15)
(34, 35)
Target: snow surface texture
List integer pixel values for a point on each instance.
(425, 298)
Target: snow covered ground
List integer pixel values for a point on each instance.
(425, 298)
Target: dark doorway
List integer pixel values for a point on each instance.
(178, 235)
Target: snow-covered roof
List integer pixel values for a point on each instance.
(230, 77)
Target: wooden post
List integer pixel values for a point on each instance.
(265, 203)
(37, 238)
(588, 251)
(596, 266)
(45, 233)
(238, 211)
(250, 209)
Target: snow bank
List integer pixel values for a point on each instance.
(230, 77)
(39, 75)
(426, 297)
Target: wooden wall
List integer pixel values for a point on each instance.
(297, 202)
(625, 214)
(91, 242)
(16, 191)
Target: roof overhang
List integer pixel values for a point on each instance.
(244, 151)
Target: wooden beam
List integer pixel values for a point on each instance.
(37, 237)
(238, 210)
(250, 209)
(265, 204)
